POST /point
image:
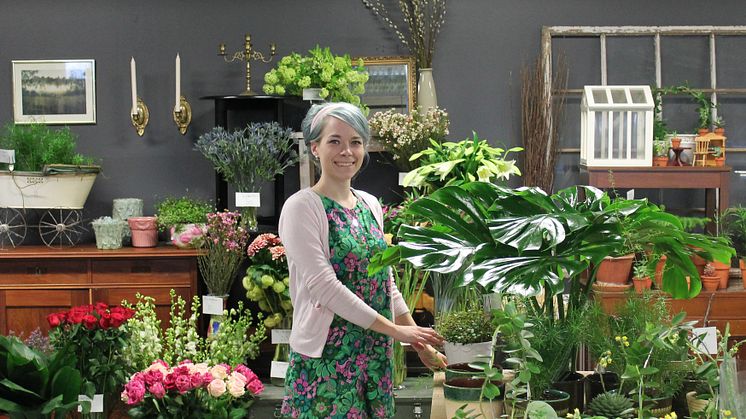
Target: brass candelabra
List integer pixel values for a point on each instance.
(247, 55)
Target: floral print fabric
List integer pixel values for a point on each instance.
(353, 377)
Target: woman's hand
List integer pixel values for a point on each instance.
(430, 357)
(416, 335)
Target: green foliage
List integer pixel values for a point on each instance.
(449, 163)
(184, 210)
(643, 267)
(338, 79)
(660, 148)
(37, 145)
(468, 326)
(692, 224)
(733, 224)
(612, 405)
(35, 385)
(246, 157)
(716, 151)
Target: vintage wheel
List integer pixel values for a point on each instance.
(61, 227)
(12, 227)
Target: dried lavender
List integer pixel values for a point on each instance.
(246, 157)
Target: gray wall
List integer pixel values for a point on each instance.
(477, 66)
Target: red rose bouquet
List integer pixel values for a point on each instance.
(191, 390)
(95, 335)
(267, 280)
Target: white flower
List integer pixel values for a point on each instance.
(216, 388)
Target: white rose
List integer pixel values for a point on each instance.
(236, 386)
(216, 388)
(219, 371)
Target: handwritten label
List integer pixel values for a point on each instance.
(247, 199)
(212, 305)
(97, 404)
(278, 369)
(280, 336)
(705, 339)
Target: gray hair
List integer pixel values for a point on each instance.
(315, 120)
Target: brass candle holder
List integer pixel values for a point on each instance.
(141, 117)
(183, 115)
(248, 54)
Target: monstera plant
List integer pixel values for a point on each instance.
(520, 241)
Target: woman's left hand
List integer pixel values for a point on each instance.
(430, 357)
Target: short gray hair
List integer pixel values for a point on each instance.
(315, 120)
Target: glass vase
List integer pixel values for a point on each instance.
(400, 365)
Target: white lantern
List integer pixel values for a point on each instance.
(616, 126)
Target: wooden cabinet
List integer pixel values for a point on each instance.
(37, 280)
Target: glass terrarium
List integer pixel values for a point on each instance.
(616, 126)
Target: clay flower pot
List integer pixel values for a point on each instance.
(722, 273)
(660, 161)
(742, 265)
(144, 231)
(615, 269)
(710, 283)
(659, 272)
(719, 161)
(642, 284)
(702, 131)
(675, 142)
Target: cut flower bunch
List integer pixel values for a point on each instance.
(404, 135)
(224, 246)
(192, 390)
(267, 279)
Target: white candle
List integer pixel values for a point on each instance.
(177, 106)
(134, 85)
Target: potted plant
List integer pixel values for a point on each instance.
(642, 274)
(184, 218)
(710, 279)
(247, 157)
(611, 405)
(717, 153)
(469, 160)
(337, 79)
(734, 226)
(660, 151)
(719, 123)
(467, 334)
(405, 135)
(675, 140)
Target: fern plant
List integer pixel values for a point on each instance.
(37, 145)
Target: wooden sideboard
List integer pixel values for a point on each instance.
(38, 280)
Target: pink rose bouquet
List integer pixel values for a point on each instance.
(191, 390)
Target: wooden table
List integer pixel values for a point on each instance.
(38, 280)
(714, 180)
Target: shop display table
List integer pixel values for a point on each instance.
(37, 280)
(714, 180)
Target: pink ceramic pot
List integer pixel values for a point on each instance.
(144, 231)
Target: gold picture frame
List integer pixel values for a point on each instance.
(392, 83)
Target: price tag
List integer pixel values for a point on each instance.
(280, 336)
(706, 339)
(212, 305)
(278, 369)
(97, 404)
(631, 194)
(402, 175)
(247, 199)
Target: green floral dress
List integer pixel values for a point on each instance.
(352, 379)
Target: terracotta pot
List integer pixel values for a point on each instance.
(710, 283)
(642, 284)
(610, 288)
(615, 269)
(699, 262)
(719, 161)
(742, 265)
(720, 131)
(722, 272)
(660, 161)
(659, 272)
(702, 131)
(675, 142)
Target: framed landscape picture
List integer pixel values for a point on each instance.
(54, 91)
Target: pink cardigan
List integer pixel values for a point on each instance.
(315, 291)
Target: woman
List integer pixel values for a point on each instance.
(344, 321)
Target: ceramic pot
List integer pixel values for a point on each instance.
(464, 353)
(720, 131)
(426, 96)
(187, 236)
(144, 231)
(642, 284)
(573, 383)
(675, 142)
(462, 370)
(660, 161)
(702, 132)
(615, 269)
(659, 272)
(710, 283)
(558, 399)
(719, 161)
(596, 384)
(460, 391)
(109, 234)
(722, 271)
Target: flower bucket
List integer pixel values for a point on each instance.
(558, 399)
(144, 231)
(187, 236)
(109, 234)
(460, 391)
(458, 353)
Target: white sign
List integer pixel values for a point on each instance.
(280, 336)
(631, 194)
(212, 305)
(278, 369)
(97, 404)
(247, 199)
(706, 339)
(402, 175)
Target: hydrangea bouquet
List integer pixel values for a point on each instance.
(267, 279)
(404, 135)
(190, 390)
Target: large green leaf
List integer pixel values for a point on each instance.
(528, 233)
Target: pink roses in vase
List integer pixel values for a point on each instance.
(192, 390)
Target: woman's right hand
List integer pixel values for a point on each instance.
(416, 335)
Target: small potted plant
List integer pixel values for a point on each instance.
(717, 153)
(642, 271)
(675, 140)
(710, 280)
(184, 218)
(660, 149)
(337, 79)
(719, 123)
(468, 334)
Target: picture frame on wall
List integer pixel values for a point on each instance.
(391, 83)
(54, 91)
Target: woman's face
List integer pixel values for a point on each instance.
(340, 150)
